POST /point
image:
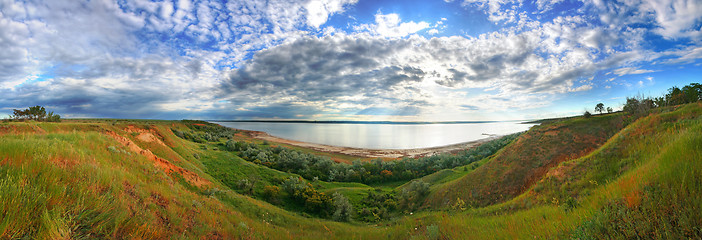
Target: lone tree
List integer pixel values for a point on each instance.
(609, 110)
(599, 108)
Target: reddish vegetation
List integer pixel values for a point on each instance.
(164, 164)
(529, 159)
(16, 129)
(63, 162)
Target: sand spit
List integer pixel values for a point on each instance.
(373, 153)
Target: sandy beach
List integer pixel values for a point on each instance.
(372, 153)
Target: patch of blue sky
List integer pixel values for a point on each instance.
(458, 20)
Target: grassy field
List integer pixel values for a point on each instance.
(609, 176)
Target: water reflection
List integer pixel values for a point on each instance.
(382, 136)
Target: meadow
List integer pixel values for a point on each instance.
(615, 176)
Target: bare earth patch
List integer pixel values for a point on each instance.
(164, 164)
(145, 135)
(373, 153)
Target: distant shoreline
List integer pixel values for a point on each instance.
(372, 153)
(364, 122)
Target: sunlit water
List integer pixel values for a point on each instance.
(382, 136)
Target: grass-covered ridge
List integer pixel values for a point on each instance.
(612, 175)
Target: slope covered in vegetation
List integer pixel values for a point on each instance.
(527, 160)
(618, 175)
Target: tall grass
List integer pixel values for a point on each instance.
(68, 180)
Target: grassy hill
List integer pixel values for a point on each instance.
(527, 160)
(608, 176)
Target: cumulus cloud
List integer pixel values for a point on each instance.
(319, 11)
(673, 18)
(323, 71)
(280, 59)
(390, 25)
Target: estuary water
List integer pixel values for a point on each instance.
(382, 135)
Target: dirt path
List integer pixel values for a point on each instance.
(373, 153)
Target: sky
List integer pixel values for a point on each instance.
(392, 60)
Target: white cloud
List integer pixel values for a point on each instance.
(390, 25)
(631, 71)
(318, 11)
(498, 10)
(674, 18)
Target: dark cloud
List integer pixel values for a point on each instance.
(272, 111)
(317, 69)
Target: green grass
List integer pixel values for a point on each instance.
(517, 166)
(639, 179)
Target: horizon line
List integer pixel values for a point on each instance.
(368, 122)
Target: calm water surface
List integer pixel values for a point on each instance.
(382, 136)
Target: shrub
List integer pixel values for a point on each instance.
(411, 195)
(342, 207)
(271, 193)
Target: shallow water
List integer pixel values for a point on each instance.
(382, 136)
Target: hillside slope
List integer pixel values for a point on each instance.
(138, 180)
(519, 165)
(125, 180)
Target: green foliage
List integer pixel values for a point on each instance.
(342, 208)
(271, 193)
(376, 206)
(410, 197)
(668, 206)
(247, 185)
(587, 114)
(570, 203)
(75, 183)
(641, 105)
(599, 108)
(202, 132)
(293, 184)
(36, 113)
(376, 171)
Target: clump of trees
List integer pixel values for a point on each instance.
(343, 208)
(202, 132)
(411, 196)
(314, 201)
(675, 96)
(310, 166)
(376, 206)
(599, 108)
(36, 113)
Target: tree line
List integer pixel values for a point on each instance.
(311, 166)
(675, 96)
(35, 113)
(688, 94)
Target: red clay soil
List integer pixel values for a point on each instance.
(146, 135)
(164, 164)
